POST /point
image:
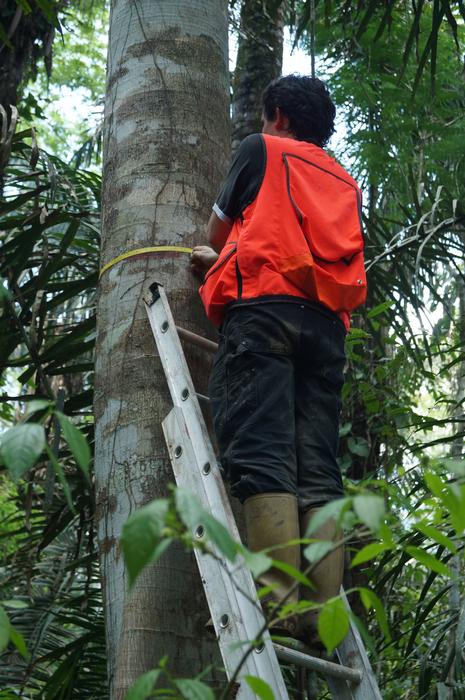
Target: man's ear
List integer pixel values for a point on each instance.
(281, 121)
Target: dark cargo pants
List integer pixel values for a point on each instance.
(275, 393)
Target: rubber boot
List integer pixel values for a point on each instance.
(326, 576)
(272, 519)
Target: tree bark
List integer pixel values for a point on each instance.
(259, 60)
(166, 145)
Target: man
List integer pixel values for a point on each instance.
(287, 271)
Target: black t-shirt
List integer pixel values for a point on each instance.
(243, 180)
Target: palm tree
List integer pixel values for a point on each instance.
(166, 142)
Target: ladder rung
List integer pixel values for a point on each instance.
(204, 343)
(327, 668)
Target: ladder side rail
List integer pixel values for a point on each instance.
(339, 689)
(210, 490)
(351, 652)
(228, 607)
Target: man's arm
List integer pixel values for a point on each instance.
(218, 231)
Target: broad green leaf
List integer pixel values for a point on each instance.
(220, 536)
(5, 629)
(434, 534)
(257, 562)
(142, 535)
(193, 689)
(143, 686)
(292, 572)
(333, 510)
(380, 309)
(21, 447)
(429, 561)
(15, 604)
(260, 688)
(76, 441)
(370, 510)
(357, 333)
(18, 640)
(37, 405)
(194, 515)
(317, 551)
(358, 446)
(369, 552)
(333, 623)
(434, 483)
(371, 600)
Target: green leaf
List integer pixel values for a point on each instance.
(220, 536)
(358, 446)
(333, 510)
(143, 686)
(318, 550)
(49, 12)
(4, 39)
(435, 484)
(37, 405)
(429, 561)
(257, 562)
(141, 537)
(24, 5)
(371, 600)
(370, 510)
(15, 604)
(5, 629)
(434, 534)
(76, 441)
(356, 333)
(333, 623)
(193, 689)
(21, 447)
(369, 552)
(193, 515)
(457, 466)
(18, 640)
(61, 478)
(292, 572)
(260, 687)
(381, 308)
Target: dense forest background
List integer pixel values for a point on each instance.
(396, 71)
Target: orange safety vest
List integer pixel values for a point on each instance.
(300, 237)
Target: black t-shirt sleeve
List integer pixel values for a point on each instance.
(243, 180)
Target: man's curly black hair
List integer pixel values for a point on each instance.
(307, 104)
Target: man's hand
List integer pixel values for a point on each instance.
(202, 258)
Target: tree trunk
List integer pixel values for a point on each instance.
(259, 60)
(166, 144)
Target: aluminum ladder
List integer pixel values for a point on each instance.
(229, 587)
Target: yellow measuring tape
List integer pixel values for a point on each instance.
(142, 251)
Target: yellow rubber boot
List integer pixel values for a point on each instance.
(326, 576)
(272, 519)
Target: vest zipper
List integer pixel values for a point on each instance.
(299, 214)
(217, 265)
(239, 281)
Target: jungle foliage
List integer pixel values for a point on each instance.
(396, 70)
